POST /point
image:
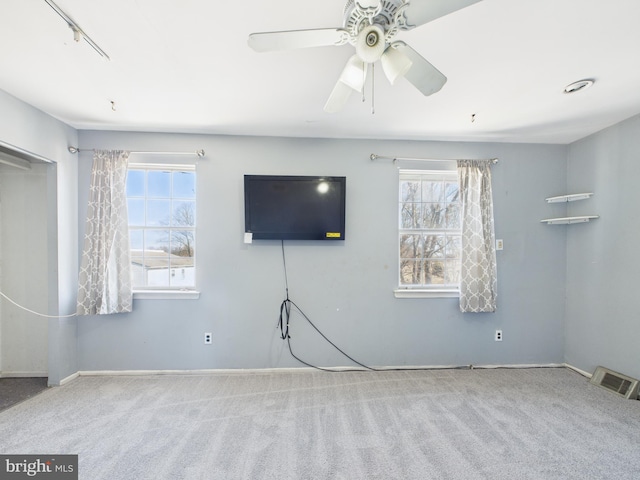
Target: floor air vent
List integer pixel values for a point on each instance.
(615, 382)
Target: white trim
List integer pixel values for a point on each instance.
(203, 372)
(263, 371)
(423, 293)
(68, 379)
(166, 295)
(21, 153)
(519, 365)
(156, 165)
(577, 370)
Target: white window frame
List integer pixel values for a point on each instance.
(167, 292)
(449, 171)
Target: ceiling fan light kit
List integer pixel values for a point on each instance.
(371, 26)
(354, 73)
(395, 64)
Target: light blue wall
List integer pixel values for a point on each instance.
(602, 319)
(346, 288)
(27, 128)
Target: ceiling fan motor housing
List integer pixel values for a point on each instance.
(371, 28)
(371, 44)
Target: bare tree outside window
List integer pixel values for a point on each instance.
(429, 229)
(182, 242)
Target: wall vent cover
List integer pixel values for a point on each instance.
(616, 382)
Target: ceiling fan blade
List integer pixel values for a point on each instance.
(288, 40)
(351, 79)
(424, 76)
(338, 98)
(420, 12)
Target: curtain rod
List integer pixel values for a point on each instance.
(199, 153)
(373, 156)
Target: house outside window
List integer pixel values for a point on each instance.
(429, 231)
(161, 201)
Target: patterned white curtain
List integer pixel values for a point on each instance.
(478, 273)
(104, 283)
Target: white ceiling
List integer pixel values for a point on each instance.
(184, 66)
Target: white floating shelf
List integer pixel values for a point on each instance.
(568, 220)
(569, 198)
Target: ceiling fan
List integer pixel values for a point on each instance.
(371, 26)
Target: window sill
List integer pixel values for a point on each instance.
(418, 293)
(166, 295)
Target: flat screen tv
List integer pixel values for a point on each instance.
(280, 207)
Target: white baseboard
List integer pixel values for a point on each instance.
(68, 379)
(576, 369)
(521, 365)
(264, 371)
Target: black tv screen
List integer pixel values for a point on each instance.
(278, 207)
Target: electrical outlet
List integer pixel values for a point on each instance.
(498, 335)
(499, 244)
(208, 338)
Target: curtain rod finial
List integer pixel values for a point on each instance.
(73, 149)
(200, 153)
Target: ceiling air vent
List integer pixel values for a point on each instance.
(616, 382)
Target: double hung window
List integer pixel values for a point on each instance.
(429, 231)
(161, 201)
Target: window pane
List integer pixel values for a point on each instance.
(157, 257)
(158, 212)
(434, 246)
(410, 191)
(135, 207)
(159, 184)
(411, 246)
(156, 243)
(184, 184)
(452, 192)
(136, 240)
(138, 270)
(410, 272)
(183, 243)
(157, 277)
(433, 215)
(453, 217)
(182, 259)
(432, 191)
(135, 183)
(452, 272)
(184, 214)
(454, 246)
(434, 272)
(410, 215)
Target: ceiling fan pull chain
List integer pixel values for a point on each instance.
(373, 76)
(365, 71)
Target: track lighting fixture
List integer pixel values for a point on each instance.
(77, 31)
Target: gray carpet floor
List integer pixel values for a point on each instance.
(451, 424)
(16, 390)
